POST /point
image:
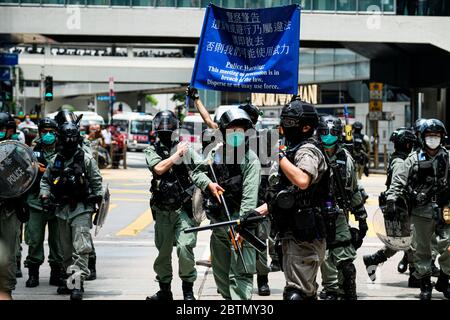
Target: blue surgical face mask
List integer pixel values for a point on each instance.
(2, 134)
(329, 140)
(48, 138)
(235, 139)
(15, 136)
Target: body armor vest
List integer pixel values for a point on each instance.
(297, 211)
(229, 177)
(428, 182)
(174, 188)
(69, 184)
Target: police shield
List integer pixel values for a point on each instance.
(18, 169)
(103, 210)
(394, 232)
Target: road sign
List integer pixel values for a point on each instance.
(375, 115)
(5, 73)
(105, 98)
(376, 105)
(9, 59)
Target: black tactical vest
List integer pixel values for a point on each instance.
(69, 184)
(173, 188)
(297, 211)
(428, 181)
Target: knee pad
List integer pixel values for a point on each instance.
(82, 242)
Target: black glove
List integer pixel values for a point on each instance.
(363, 228)
(47, 205)
(95, 199)
(250, 224)
(356, 238)
(366, 171)
(360, 213)
(192, 93)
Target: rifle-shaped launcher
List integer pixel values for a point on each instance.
(244, 232)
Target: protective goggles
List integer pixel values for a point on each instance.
(332, 131)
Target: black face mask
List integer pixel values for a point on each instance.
(165, 137)
(294, 135)
(68, 149)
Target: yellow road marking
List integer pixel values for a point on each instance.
(128, 191)
(143, 221)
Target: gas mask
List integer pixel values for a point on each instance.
(165, 137)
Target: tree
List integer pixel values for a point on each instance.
(151, 99)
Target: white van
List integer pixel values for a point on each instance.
(137, 127)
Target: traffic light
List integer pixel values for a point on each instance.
(7, 91)
(48, 88)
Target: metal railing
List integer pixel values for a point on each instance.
(322, 6)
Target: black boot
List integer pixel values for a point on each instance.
(442, 285)
(91, 265)
(18, 270)
(328, 295)
(372, 261)
(425, 288)
(263, 285)
(188, 293)
(163, 294)
(77, 294)
(33, 275)
(403, 264)
(292, 294)
(349, 282)
(413, 282)
(56, 274)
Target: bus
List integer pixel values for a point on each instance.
(136, 126)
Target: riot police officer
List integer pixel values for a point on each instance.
(73, 182)
(338, 270)
(296, 199)
(171, 182)
(238, 172)
(361, 149)
(61, 118)
(424, 176)
(12, 213)
(404, 141)
(44, 150)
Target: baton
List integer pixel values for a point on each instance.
(236, 245)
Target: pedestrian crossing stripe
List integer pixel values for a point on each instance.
(130, 200)
(142, 222)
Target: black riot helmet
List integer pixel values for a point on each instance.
(65, 116)
(252, 111)
(164, 124)
(7, 121)
(403, 139)
(433, 126)
(417, 125)
(47, 123)
(165, 121)
(357, 126)
(294, 117)
(235, 117)
(68, 139)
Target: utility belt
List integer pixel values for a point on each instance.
(173, 197)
